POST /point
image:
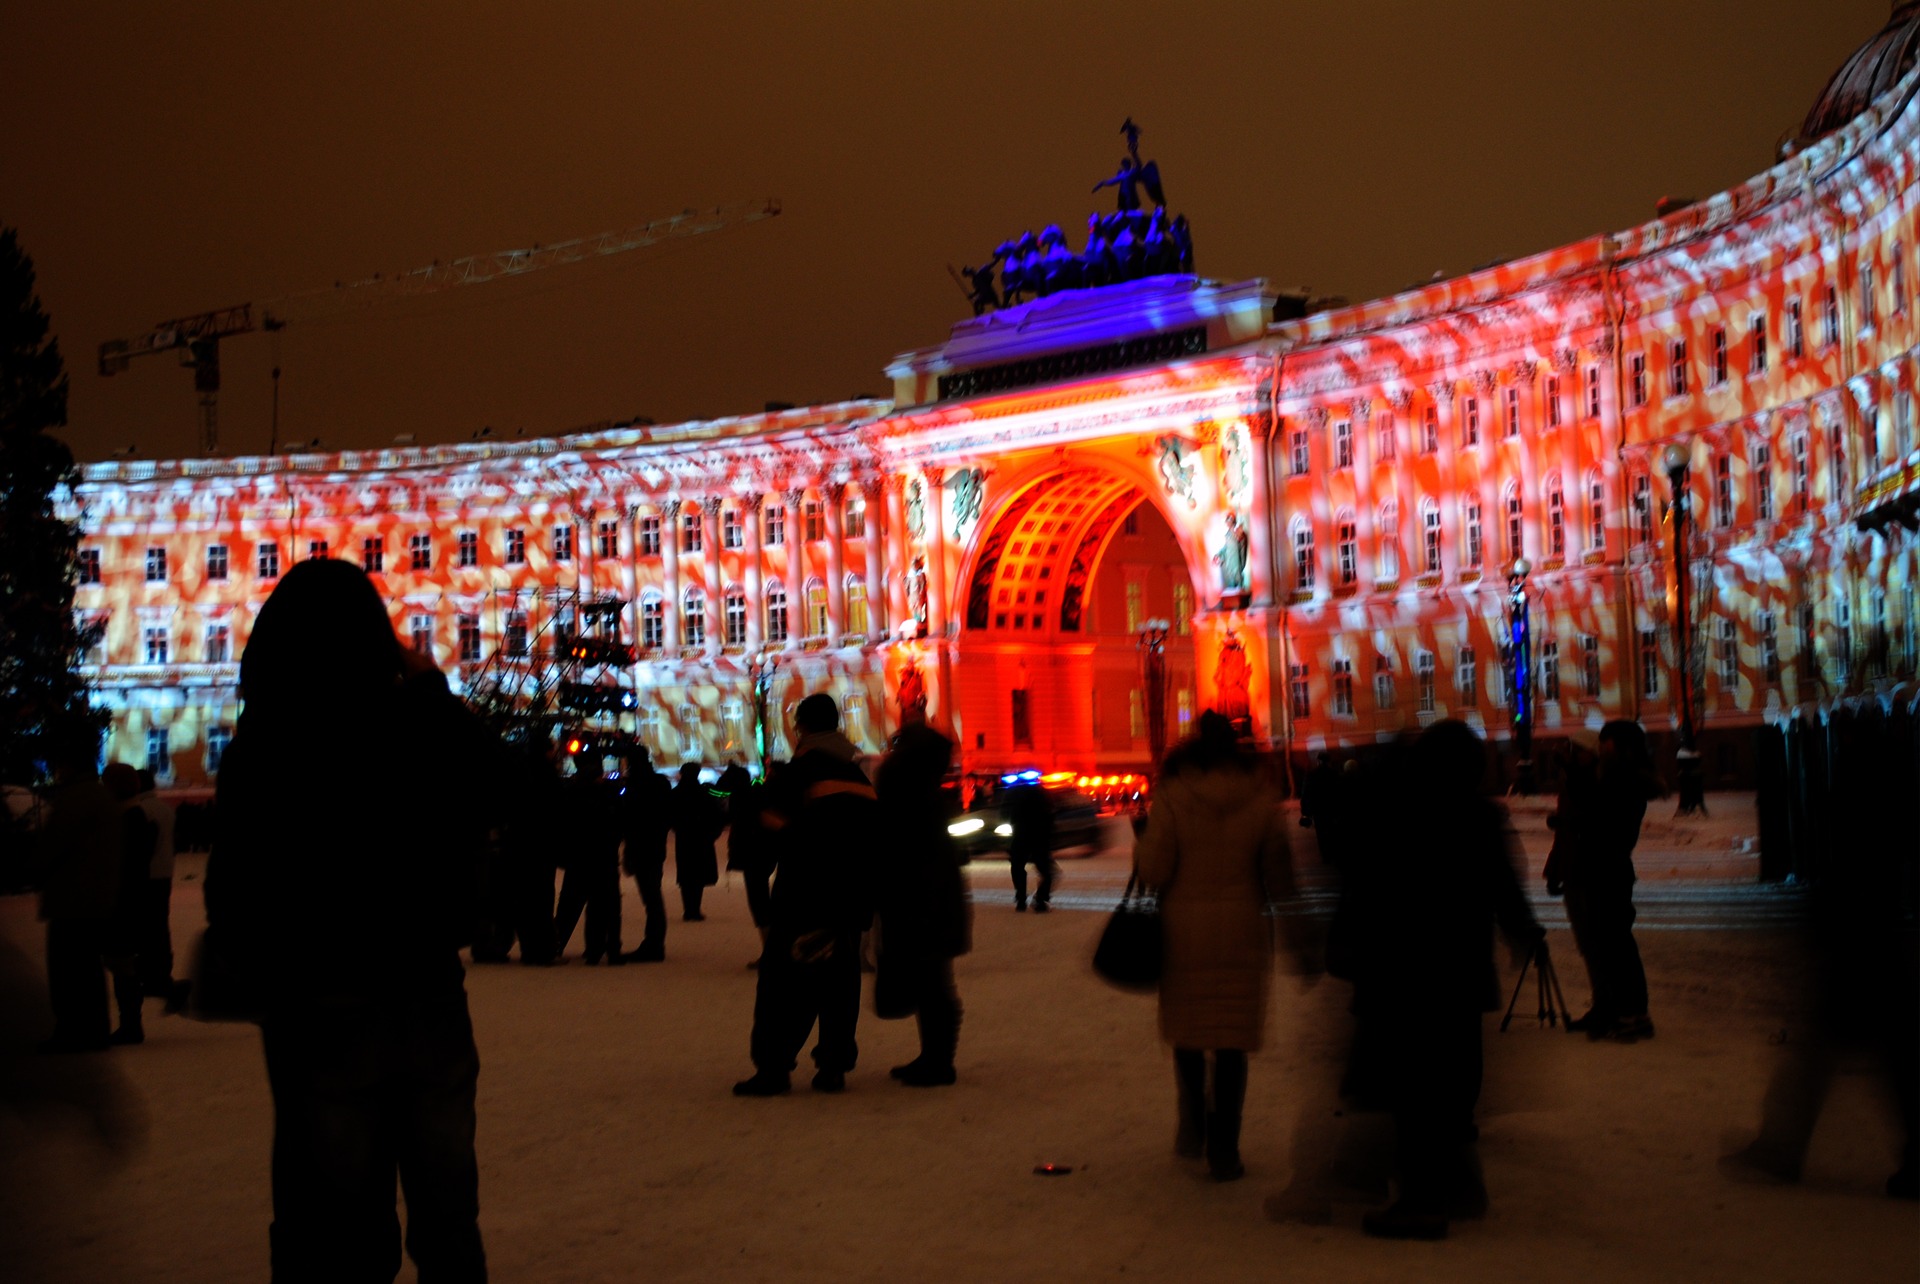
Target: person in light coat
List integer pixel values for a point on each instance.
(1215, 848)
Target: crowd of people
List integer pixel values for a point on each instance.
(337, 915)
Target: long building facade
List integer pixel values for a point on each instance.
(1323, 510)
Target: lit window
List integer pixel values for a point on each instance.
(1343, 688)
(733, 532)
(653, 622)
(734, 616)
(1136, 609)
(1136, 714)
(776, 524)
(217, 561)
(159, 753)
(468, 633)
(373, 555)
(816, 521)
(1466, 676)
(1383, 693)
(1184, 709)
(1470, 424)
(157, 641)
(608, 545)
(856, 605)
(1424, 680)
(1796, 331)
(1383, 437)
(89, 566)
(1343, 444)
(692, 529)
(1430, 430)
(1302, 557)
(1183, 609)
(420, 627)
(1476, 544)
(1553, 401)
(219, 644)
(420, 552)
(1389, 541)
(1757, 344)
(693, 618)
(854, 523)
(1431, 535)
(1718, 371)
(1348, 551)
(650, 536)
(1299, 453)
(467, 548)
(817, 621)
(1299, 696)
(1763, 481)
(1513, 412)
(1677, 368)
(156, 566)
(776, 595)
(516, 547)
(563, 543)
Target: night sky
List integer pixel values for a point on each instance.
(162, 160)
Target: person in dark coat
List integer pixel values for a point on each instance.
(1446, 881)
(138, 838)
(751, 849)
(1596, 825)
(697, 822)
(925, 917)
(343, 883)
(824, 818)
(533, 804)
(591, 821)
(156, 909)
(79, 889)
(646, 816)
(1030, 813)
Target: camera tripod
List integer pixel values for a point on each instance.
(1553, 1004)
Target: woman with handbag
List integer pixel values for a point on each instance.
(1215, 847)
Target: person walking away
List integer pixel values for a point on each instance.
(592, 882)
(533, 802)
(925, 918)
(1596, 826)
(156, 913)
(697, 822)
(347, 904)
(1215, 849)
(82, 843)
(1030, 813)
(751, 850)
(1447, 878)
(646, 817)
(138, 836)
(824, 819)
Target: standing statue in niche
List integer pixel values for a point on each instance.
(1231, 680)
(916, 510)
(913, 695)
(917, 591)
(969, 489)
(1232, 558)
(1176, 474)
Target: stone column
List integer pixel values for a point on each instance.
(1366, 552)
(898, 558)
(936, 552)
(1263, 430)
(1453, 538)
(670, 563)
(1533, 497)
(756, 592)
(877, 615)
(833, 495)
(710, 539)
(796, 568)
(1493, 513)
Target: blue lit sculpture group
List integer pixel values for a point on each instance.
(1126, 245)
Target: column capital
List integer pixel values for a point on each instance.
(1317, 416)
(1442, 392)
(936, 477)
(670, 506)
(713, 504)
(752, 502)
(834, 491)
(1485, 381)
(1401, 399)
(1524, 371)
(795, 498)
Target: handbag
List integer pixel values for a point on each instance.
(1128, 955)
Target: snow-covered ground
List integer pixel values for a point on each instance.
(611, 1148)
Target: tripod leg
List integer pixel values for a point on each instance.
(1547, 968)
(1507, 1020)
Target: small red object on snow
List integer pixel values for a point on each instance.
(1051, 1170)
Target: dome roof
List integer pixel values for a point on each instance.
(1873, 69)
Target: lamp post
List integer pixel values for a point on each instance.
(762, 665)
(1692, 789)
(1520, 664)
(1153, 664)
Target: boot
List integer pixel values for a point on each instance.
(1190, 1078)
(1223, 1125)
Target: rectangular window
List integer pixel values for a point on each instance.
(733, 613)
(1475, 543)
(1769, 647)
(420, 629)
(218, 738)
(1556, 524)
(1431, 534)
(1902, 425)
(1383, 435)
(156, 566)
(693, 619)
(1136, 714)
(1516, 524)
(1424, 681)
(650, 536)
(1343, 444)
(156, 640)
(1590, 666)
(316, 550)
(1430, 430)
(1512, 417)
(776, 524)
(1349, 553)
(1466, 676)
(857, 622)
(653, 623)
(467, 549)
(216, 561)
(1757, 344)
(1763, 481)
(1553, 401)
(1343, 688)
(1497, 675)
(1898, 281)
(469, 636)
(1830, 316)
(1130, 524)
(1550, 670)
(1718, 370)
(1677, 368)
(1183, 608)
(692, 529)
(1842, 641)
(1796, 331)
(563, 543)
(1593, 392)
(1728, 646)
(1383, 692)
(1298, 453)
(266, 561)
(1637, 378)
(853, 522)
(1303, 558)
(1597, 516)
(608, 537)
(816, 520)
(1723, 491)
(1136, 609)
(420, 552)
(733, 531)
(1470, 425)
(89, 566)
(1802, 472)
(516, 547)
(159, 753)
(513, 634)
(1299, 695)
(1184, 709)
(1809, 631)
(1643, 509)
(1022, 712)
(373, 555)
(1868, 314)
(1649, 662)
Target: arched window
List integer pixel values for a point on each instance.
(1430, 537)
(693, 618)
(1389, 531)
(653, 622)
(1474, 536)
(816, 609)
(1346, 548)
(776, 596)
(1302, 556)
(856, 605)
(1556, 518)
(734, 614)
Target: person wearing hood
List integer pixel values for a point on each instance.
(822, 821)
(1215, 848)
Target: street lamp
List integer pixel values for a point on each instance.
(1692, 788)
(1520, 662)
(762, 665)
(1153, 663)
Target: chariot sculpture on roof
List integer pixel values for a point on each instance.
(1126, 245)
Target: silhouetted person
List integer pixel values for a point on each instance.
(824, 820)
(155, 945)
(79, 888)
(138, 837)
(925, 918)
(590, 818)
(347, 901)
(646, 811)
(1215, 847)
(1446, 880)
(530, 808)
(752, 849)
(1029, 811)
(1596, 825)
(697, 822)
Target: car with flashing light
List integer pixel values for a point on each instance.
(984, 830)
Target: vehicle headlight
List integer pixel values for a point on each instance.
(970, 825)
(1003, 830)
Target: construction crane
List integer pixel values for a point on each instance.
(197, 338)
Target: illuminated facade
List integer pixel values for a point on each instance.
(1343, 495)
